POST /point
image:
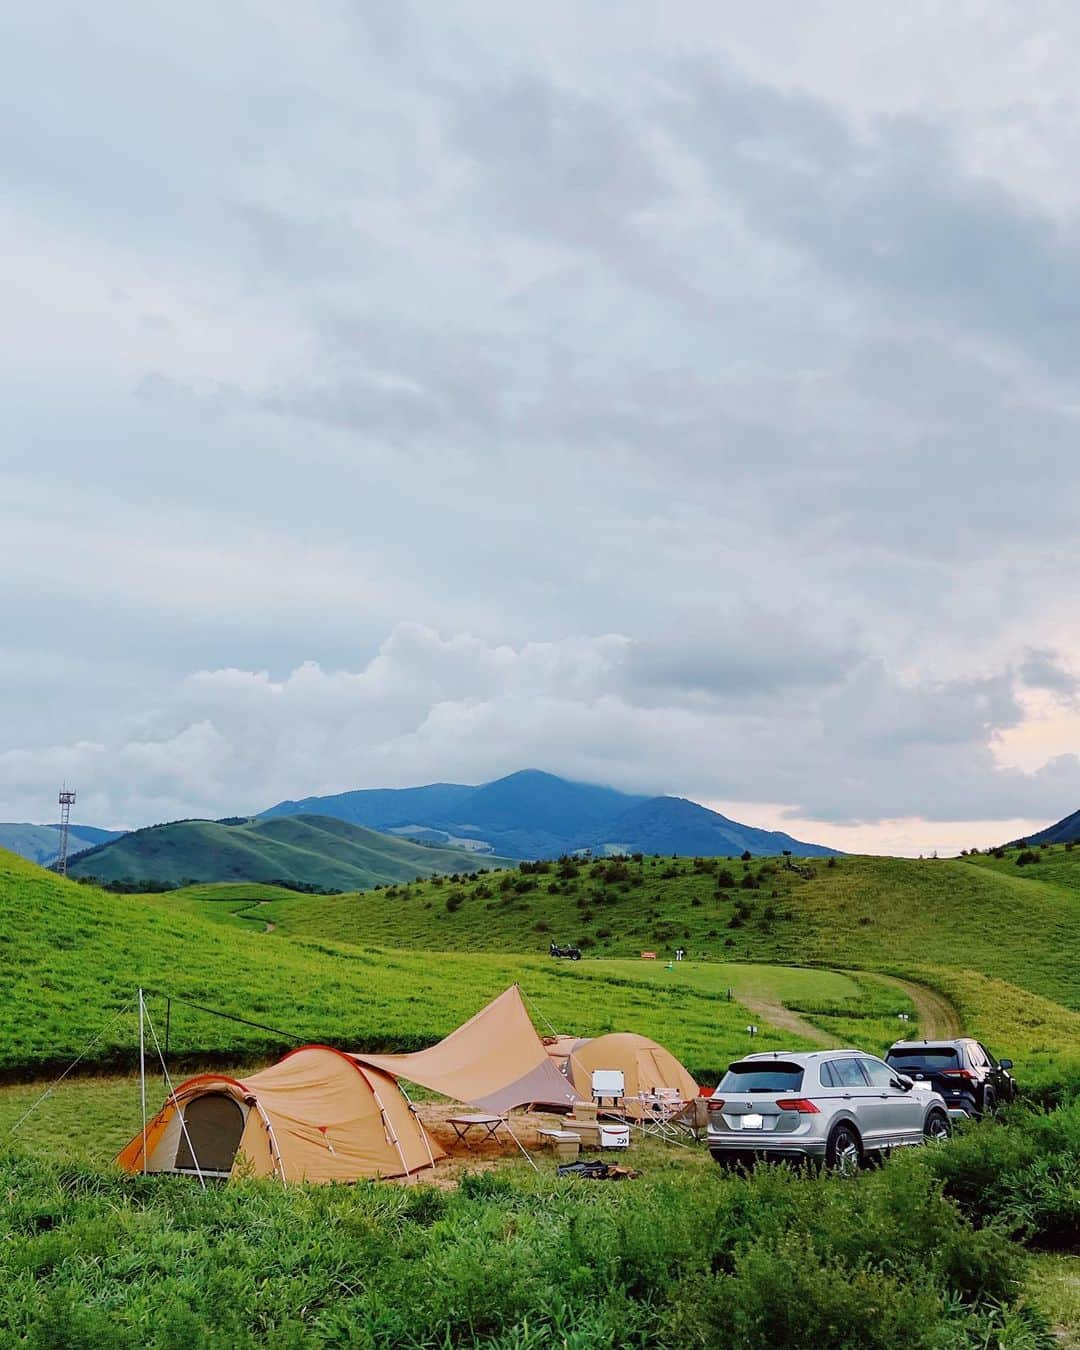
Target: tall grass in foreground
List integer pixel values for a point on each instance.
(685, 1256)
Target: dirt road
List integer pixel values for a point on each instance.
(938, 1019)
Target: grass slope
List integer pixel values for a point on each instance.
(998, 942)
(873, 913)
(71, 957)
(312, 849)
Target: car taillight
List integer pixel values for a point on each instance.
(716, 1103)
(959, 1073)
(803, 1105)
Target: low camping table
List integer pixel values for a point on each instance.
(463, 1124)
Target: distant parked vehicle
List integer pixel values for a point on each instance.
(570, 953)
(966, 1074)
(841, 1107)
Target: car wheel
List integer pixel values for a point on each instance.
(937, 1128)
(843, 1152)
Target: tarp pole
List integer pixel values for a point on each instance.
(172, 1097)
(142, 1072)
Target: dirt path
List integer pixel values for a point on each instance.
(938, 1019)
(783, 1019)
(242, 913)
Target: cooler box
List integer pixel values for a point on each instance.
(614, 1136)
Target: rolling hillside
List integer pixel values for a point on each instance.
(537, 815)
(72, 957)
(39, 843)
(998, 943)
(316, 850)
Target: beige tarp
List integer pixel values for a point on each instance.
(495, 1061)
(646, 1065)
(316, 1115)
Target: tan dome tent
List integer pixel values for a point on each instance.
(316, 1115)
(645, 1065)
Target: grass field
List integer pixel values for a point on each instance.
(684, 1256)
(867, 913)
(925, 1252)
(73, 956)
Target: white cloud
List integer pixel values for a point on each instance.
(524, 326)
(860, 748)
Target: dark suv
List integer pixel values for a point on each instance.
(966, 1074)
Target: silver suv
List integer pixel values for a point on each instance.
(841, 1106)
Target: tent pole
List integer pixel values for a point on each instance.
(420, 1123)
(142, 1072)
(390, 1132)
(274, 1150)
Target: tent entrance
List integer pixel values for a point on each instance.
(214, 1124)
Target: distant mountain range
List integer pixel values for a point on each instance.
(41, 843)
(314, 850)
(355, 840)
(538, 815)
(1065, 831)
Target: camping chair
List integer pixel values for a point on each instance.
(658, 1110)
(608, 1083)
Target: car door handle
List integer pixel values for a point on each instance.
(847, 1096)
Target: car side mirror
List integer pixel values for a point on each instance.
(905, 1084)
(1005, 1063)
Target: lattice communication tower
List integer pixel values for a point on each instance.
(67, 801)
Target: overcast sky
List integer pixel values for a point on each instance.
(682, 397)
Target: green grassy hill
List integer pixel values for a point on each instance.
(316, 850)
(873, 913)
(71, 958)
(998, 943)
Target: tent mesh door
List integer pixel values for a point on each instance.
(214, 1124)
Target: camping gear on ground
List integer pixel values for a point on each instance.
(614, 1136)
(564, 1143)
(645, 1065)
(583, 1121)
(607, 1084)
(495, 1061)
(595, 1169)
(461, 1126)
(315, 1115)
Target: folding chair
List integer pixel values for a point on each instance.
(658, 1110)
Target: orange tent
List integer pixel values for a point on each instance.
(645, 1064)
(495, 1061)
(315, 1115)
